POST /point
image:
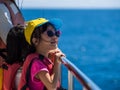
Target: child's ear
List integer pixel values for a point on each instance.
(35, 41)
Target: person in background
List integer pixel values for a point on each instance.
(10, 16)
(42, 36)
(17, 48)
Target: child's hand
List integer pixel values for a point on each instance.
(56, 54)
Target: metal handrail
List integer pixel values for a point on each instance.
(80, 76)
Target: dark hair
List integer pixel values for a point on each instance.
(17, 46)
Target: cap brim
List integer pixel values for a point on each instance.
(56, 22)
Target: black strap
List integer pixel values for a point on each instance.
(28, 69)
(4, 66)
(28, 74)
(41, 57)
(3, 50)
(2, 54)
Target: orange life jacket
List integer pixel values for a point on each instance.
(23, 85)
(7, 72)
(9, 76)
(23, 81)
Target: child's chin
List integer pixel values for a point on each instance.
(55, 47)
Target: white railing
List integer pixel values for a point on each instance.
(79, 75)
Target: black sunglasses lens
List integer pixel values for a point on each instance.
(57, 33)
(50, 33)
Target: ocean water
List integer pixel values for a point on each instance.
(91, 40)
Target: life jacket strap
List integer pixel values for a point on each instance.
(2, 50)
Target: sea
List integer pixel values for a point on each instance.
(90, 39)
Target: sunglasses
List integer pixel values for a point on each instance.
(51, 33)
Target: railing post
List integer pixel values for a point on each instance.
(70, 81)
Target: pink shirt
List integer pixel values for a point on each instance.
(38, 66)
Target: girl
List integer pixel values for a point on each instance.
(42, 36)
(16, 46)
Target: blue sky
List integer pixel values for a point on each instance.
(70, 4)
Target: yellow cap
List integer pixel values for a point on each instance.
(31, 26)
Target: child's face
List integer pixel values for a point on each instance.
(49, 39)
